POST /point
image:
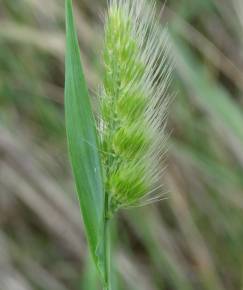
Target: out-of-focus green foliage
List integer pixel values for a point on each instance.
(192, 240)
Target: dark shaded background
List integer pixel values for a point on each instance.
(191, 241)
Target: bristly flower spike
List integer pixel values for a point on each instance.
(134, 101)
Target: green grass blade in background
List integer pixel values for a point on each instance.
(214, 98)
(82, 141)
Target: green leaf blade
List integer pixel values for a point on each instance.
(83, 145)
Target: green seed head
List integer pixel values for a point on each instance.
(133, 102)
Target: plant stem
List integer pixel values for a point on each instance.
(107, 249)
(107, 256)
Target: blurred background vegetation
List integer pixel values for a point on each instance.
(191, 241)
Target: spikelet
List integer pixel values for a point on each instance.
(137, 73)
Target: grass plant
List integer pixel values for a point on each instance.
(116, 161)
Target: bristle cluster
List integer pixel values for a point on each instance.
(133, 102)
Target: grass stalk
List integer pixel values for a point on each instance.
(132, 118)
(107, 284)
